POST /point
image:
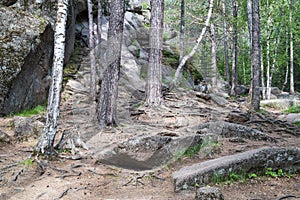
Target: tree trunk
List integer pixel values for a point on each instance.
(262, 68)
(107, 101)
(255, 56)
(92, 45)
(214, 80)
(292, 90)
(99, 22)
(276, 42)
(234, 81)
(287, 63)
(193, 51)
(46, 140)
(154, 80)
(227, 74)
(182, 26)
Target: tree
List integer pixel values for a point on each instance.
(255, 57)
(193, 51)
(154, 79)
(234, 81)
(92, 45)
(227, 74)
(99, 22)
(292, 90)
(107, 100)
(213, 56)
(46, 140)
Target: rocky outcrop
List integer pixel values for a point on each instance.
(231, 130)
(254, 161)
(26, 52)
(25, 127)
(209, 193)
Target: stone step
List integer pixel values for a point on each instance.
(253, 161)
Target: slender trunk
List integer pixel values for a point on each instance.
(262, 68)
(255, 56)
(92, 51)
(107, 101)
(244, 73)
(227, 74)
(182, 26)
(213, 57)
(46, 141)
(99, 22)
(249, 17)
(273, 66)
(234, 82)
(193, 51)
(292, 90)
(154, 80)
(268, 64)
(287, 63)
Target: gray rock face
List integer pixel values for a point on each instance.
(241, 89)
(209, 193)
(4, 138)
(7, 2)
(26, 51)
(250, 162)
(26, 126)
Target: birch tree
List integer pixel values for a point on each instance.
(292, 89)
(107, 101)
(194, 50)
(154, 79)
(93, 72)
(46, 140)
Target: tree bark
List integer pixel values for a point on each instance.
(107, 100)
(227, 74)
(154, 80)
(292, 89)
(46, 140)
(234, 81)
(99, 22)
(214, 83)
(255, 56)
(182, 35)
(193, 51)
(93, 71)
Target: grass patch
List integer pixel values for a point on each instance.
(27, 162)
(293, 109)
(34, 111)
(297, 123)
(241, 176)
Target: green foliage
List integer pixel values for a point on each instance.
(293, 109)
(279, 173)
(34, 111)
(191, 151)
(297, 123)
(170, 59)
(27, 162)
(145, 6)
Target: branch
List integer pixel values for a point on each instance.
(191, 54)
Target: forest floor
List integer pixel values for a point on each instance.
(81, 177)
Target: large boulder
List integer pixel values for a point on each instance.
(26, 51)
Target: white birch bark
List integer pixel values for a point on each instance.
(93, 73)
(292, 89)
(193, 51)
(46, 141)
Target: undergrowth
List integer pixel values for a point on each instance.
(30, 112)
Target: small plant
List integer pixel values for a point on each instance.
(293, 109)
(145, 6)
(297, 123)
(234, 177)
(270, 172)
(27, 162)
(191, 151)
(35, 111)
(252, 175)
